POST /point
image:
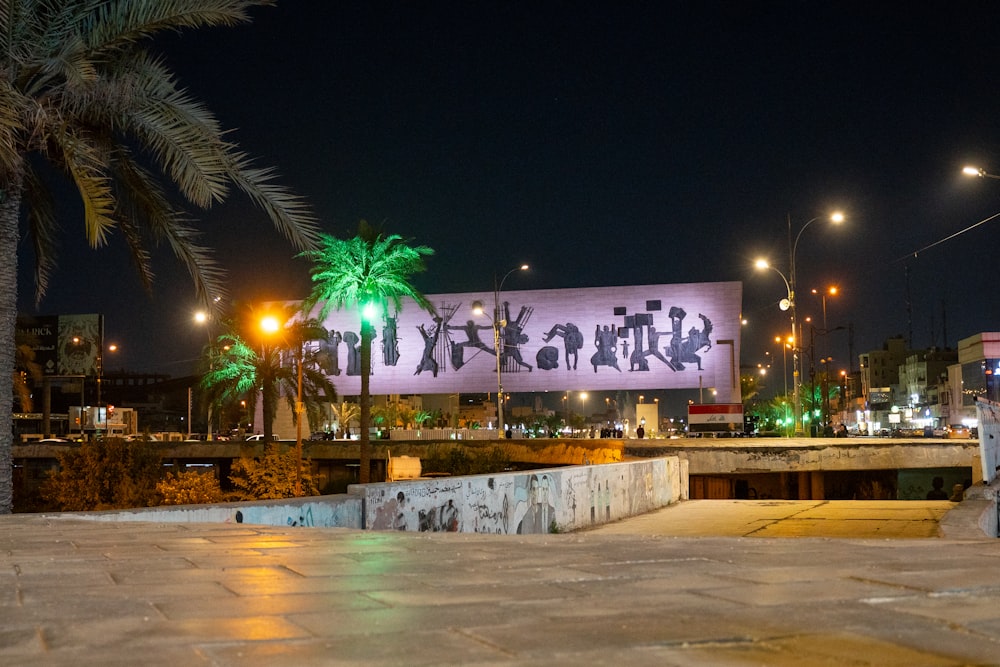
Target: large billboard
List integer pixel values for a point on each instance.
(63, 344)
(605, 338)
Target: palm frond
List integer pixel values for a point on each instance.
(179, 131)
(289, 213)
(349, 272)
(43, 228)
(123, 22)
(86, 167)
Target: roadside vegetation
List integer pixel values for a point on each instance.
(113, 474)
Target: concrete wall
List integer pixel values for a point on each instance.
(981, 507)
(539, 501)
(523, 502)
(340, 511)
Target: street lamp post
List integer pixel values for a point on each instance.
(824, 399)
(498, 323)
(583, 407)
(786, 304)
(784, 375)
(832, 290)
(789, 304)
(201, 318)
(270, 325)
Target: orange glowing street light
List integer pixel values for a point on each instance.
(270, 325)
(971, 170)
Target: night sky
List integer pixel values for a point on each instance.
(604, 144)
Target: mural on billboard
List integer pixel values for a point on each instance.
(64, 344)
(79, 344)
(653, 336)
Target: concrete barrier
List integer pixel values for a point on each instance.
(538, 501)
(979, 507)
(339, 511)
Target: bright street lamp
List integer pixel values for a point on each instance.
(970, 170)
(270, 325)
(832, 290)
(789, 304)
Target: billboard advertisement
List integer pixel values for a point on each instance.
(63, 344)
(591, 339)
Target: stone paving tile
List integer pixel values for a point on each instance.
(238, 606)
(816, 650)
(236, 595)
(449, 648)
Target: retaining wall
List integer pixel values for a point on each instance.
(539, 501)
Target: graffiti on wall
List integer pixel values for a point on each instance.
(535, 502)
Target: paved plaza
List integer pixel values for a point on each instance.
(681, 586)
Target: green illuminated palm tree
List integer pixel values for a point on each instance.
(366, 272)
(81, 95)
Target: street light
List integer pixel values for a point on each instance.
(270, 325)
(970, 170)
(789, 304)
(201, 318)
(832, 290)
(111, 347)
(784, 343)
(498, 323)
(583, 406)
(836, 218)
(824, 387)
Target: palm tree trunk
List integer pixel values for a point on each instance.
(10, 204)
(367, 333)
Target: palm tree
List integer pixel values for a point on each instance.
(235, 368)
(369, 270)
(80, 92)
(344, 414)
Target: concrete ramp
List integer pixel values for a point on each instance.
(891, 519)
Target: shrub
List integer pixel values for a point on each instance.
(272, 476)
(463, 460)
(189, 488)
(103, 475)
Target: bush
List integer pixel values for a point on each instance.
(189, 488)
(271, 477)
(463, 460)
(104, 475)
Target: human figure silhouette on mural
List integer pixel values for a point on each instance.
(471, 330)
(572, 341)
(654, 344)
(352, 341)
(427, 360)
(514, 336)
(329, 352)
(390, 343)
(606, 342)
(683, 350)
